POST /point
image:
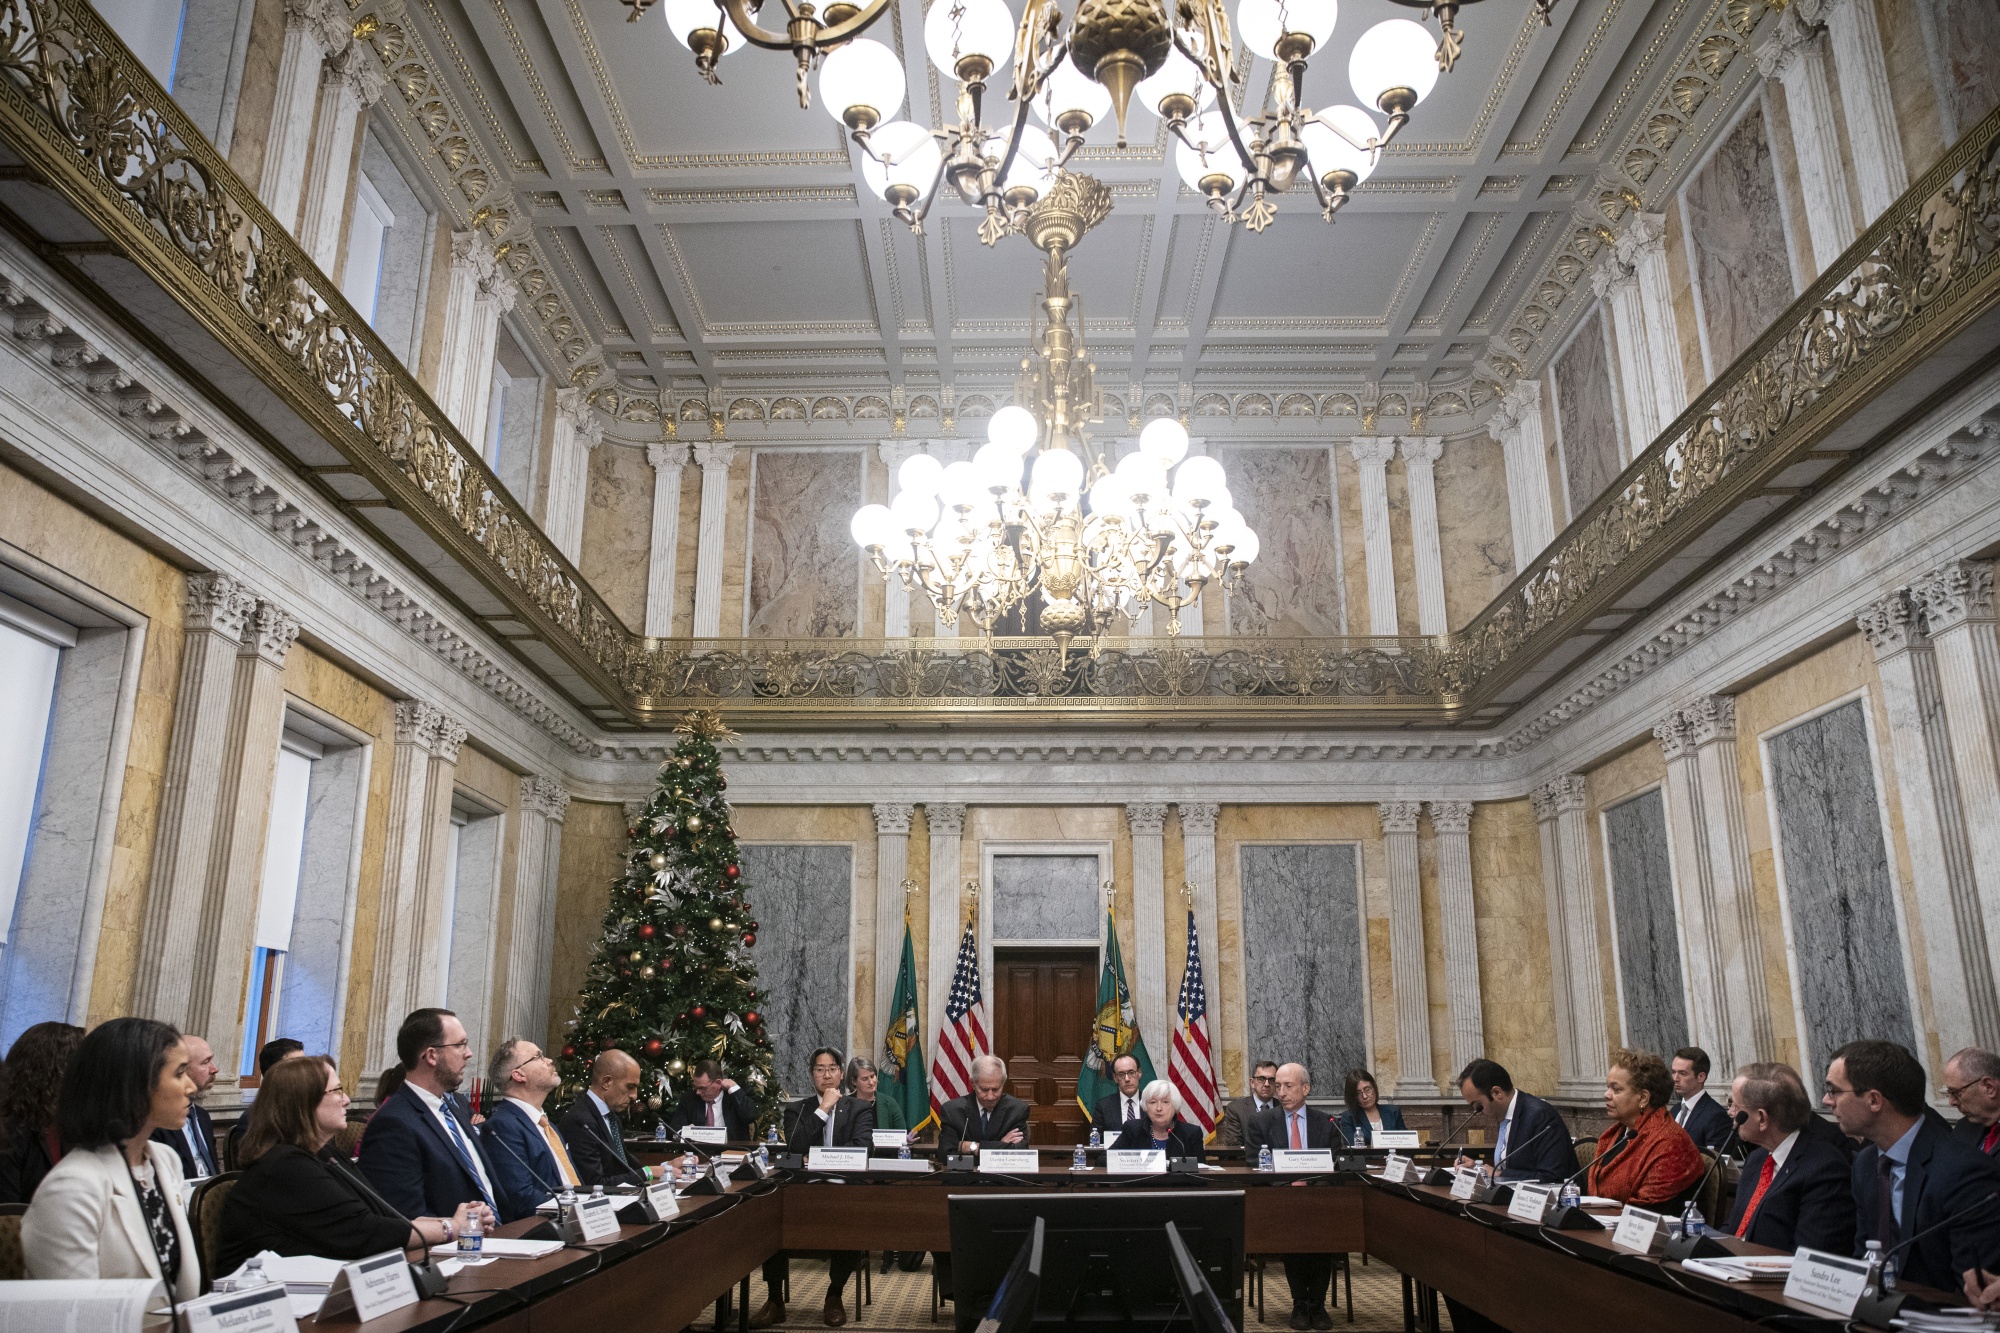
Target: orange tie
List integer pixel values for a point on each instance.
(1763, 1183)
(561, 1153)
(1294, 1119)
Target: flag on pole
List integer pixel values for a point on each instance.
(1116, 1031)
(962, 1035)
(903, 1081)
(1190, 1063)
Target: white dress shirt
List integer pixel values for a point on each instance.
(1687, 1106)
(1780, 1153)
(453, 1133)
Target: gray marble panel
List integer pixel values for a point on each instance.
(1294, 587)
(517, 430)
(1046, 897)
(469, 976)
(208, 67)
(1964, 37)
(1649, 950)
(1586, 415)
(804, 571)
(802, 900)
(1736, 231)
(1837, 882)
(1302, 937)
(309, 993)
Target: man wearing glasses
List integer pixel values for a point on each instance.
(530, 1161)
(1972, 1082)
(420, 1152)
(1236, 1116)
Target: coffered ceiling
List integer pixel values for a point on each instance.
(716, 239)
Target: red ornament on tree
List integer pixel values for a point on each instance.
(732, 870)
(699, 1012)
(752, 1018)
(654, 1046)
(750, 939)
(647, 931)
(569, 1052)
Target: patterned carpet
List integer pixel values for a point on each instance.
(902, 1301)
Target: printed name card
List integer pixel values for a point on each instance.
(1830, 1282)
(1637, 1230)
(1464, 1182)
(836, 1159)
(1398, 1138)
(1398, 1169)
(1302, 1159)
(891, 1138)
(1135, 1161)
(596, 1218)
(370, 1287)
(1009, 1161)
(661, 1203)
(1530, 1202)
(712, 1135)
(265, 1310)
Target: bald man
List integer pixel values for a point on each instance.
(591, 1127)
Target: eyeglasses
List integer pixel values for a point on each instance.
(465, 1045)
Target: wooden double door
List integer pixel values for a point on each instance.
(1045, 1003)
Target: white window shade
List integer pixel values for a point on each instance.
(284, 848)
(28, 663)
(367, 235)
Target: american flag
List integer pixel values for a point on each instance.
(963, 1032)
(1189, 1062)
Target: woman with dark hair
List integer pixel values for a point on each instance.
(1365, 1112)
(29, 1147)
(111, 1208)
(295, 1199)
(1644, 1157)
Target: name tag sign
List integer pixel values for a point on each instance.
(1830, 1282)
(837, 1159)
(1009, 1161)
(1302, 1159)
(265, 1310)
(891, 1138)
(1398, 1169)
(1530, 1203)
(1637, 1230)
(1398, 1138)
(370, 1287)
(596, 1218)
(711, 1135)
(660, 1202)
(1135, 1161)
(1464, 1183)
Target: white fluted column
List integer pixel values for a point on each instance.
(1712, 728)
(1371, 457)
(668, 462)
(1866, 103)
(1963, 998)
(314, 30)
(1198, 867)
(714, 458)
(1794, 55)
(1958, 611)
(1451, 821)
(426, 757)
(947, 825)
(350, 83)
(497, 291)
(1694, 892)
(1416, 1074)
(578, 430)
(892, 867)
(1148, 822)
(1618, 288)
(531, 943)
(1572, 912)
(462, 377)
(1642, 244)
(1420, 455)
(1517, 424)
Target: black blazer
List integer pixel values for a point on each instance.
(24, 1160)
(1109, 1117)
(1810, 1202)
(198, 1120)
(1944, 1177)
(738, 1113)
(1709, 1125)
(1538, 1142)
(1973, 1135)
(1347, 1122)
(596, 1144)
(1823, 1129)
(958, 1120)
(1183, 1139)
(1267, 1129)
(291, 1202)
(853, 1124)
(414, 1166)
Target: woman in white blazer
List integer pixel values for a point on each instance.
(112, 1207)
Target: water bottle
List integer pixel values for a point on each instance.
(1096, 1137)
(1881, 1268)
(597, 1191)
(764, 1157)
(1360, 1141)
(771, 1132)
(1264, 1162)
(1692, 1222)
(1572, 1196)
(1079, 1160)
(659, 1131)
(249, 1279)
(903, 1151)
(473, 1238)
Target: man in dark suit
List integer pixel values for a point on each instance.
(1972, 1082)
(1236, 1116)
(1913, 1182)
(1530, 1139)
(827, 1120)
(715, 1101)
(1797, 1188)
(988, 1118)
(200, 1154)
(530, 1161)
(1114, 1109)
(1291, 1124)
(591, 1126)
(1694, 1110)
(420, 1152)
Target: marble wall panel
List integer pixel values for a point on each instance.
(805, 574)
(1475, 540)
(1306, 996)
(1046, 897)
(1516, 991)
(1835, 870)
(1654, 1000)
(1293, 589)
(1965, 34)
(1586, 415)
(853, 825)
(1736, 228)
(801, 896)
(618, 529)
(594, 838)
(475, 904)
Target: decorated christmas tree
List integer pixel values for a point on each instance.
(671, 982)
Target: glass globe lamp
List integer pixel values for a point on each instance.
(911, 167)
(969, 39)
(861, 85)
(1394, 65)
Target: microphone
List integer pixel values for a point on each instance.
(431, 1281)
(1610, 1153)
(1535, 1137)
(1437, 1152)
(1959, 1216)
(552, 1190)
(1878, 1304)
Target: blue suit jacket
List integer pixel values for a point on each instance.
(1944, 1177)
(1347, 1122)
(524, 1170)
(1538, 1142)
(1710, 1126)
(413, 1166)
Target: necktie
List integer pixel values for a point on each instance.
(1992, 1139)
(826, 1135)
(1763, 1183)
(1297, 1140)
(617, 1136)
(714, 1117)
(560, 1153)
(1886, 1229)
(465, 1152)
(1131, 1112)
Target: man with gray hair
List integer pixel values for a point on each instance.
(988, 1118)
(1972, 1083)
(529, 1160)
(1796, 1187)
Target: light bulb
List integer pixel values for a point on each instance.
(919, 475)
(961, 486)
(1070, 89)
(1246, 547)
(1330, 152)
(1057, 472)
(1144, 476)
(911, 512)
(1109, 498)
(1034, 162)
(863, 73)
(956, 29)
(870, 525)
(1013, 427)
(913, 159)
(1395, 53)
(998, 466)
(1263, 22)
(1165, 439)
(1199, 478)
(1221, 158)
(685, 17)
(1177, 75)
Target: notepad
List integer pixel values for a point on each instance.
(499, 1247)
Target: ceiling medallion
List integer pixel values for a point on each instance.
(1179, 62)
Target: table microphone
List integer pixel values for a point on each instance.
(1433, 1176)
(430, 1280)
(1878, 1304)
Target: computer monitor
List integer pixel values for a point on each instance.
(1204, 1308)
(1106, 1259)
(1012, 1308)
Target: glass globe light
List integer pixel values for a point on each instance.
(914, 156)
(870, 526)
(1246, 547)
(919, 475)
(1144, 477)
(911, 512)
(999, 468)
(956, 29)
(1199, 478)
(1109, 498)
(1330, 152)
(1395, 53)
(1013, 427)
(962, 487)
(863, 73)
(1070, 89)
(685, 17)
(1263, 22)
(1221, 159)
(1056, 472)
(1177, 75)
(1165, 439)
(1033, 166)
(947, 535)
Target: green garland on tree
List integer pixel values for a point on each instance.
(671, 982)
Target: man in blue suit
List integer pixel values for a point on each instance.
(529, 1160)
(1530, 1140)
(1694, 1109)
(420, 1152)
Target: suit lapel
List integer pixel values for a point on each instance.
(125, 1199)
(1915, 1176)
(437, 1132)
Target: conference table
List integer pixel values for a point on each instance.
(671, 1274)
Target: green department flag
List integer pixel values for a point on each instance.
(902, 1073)
(1116, 1031)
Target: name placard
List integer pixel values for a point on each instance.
(1398, 1138)
(1135, 1161)
(1009, 1161)
(265, 1310)
(836, 1159)
(1530, 1202)
(660, 1201)
(891, 1138)
(1398, 1169)
(370, 1287)
(1830, 1282)
(1302, 1159)
(596, 1218)
(709, 1135)
(1637, 1230)
(1464, 1182)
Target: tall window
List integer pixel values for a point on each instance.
(31, 648)
(389, 245)
(367, 237)
(152, 28)
(277, 894)
(514, 409)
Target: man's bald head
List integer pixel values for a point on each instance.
(1293, 1085)
(614, 1076)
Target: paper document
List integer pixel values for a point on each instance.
(498, 1247)
(113, 1305)
(297, 1271)
(1742, 1269)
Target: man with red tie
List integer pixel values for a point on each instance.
(1972, 1082)
(1796, 1188)
(1291, 1124)
(714, 1101)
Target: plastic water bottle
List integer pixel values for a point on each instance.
(1881, 1267)
(473, 1238)
(659, 1131)
(771, 1132)
(1692, 1222)
(1080, 1160)
(1264, 1162)
(597, 1191)
(764, 1157)
(1096, 1137)
(1360, 1140)
(903, 1151)
(1572, 1196)
(249, 1278)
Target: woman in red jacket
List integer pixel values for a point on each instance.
(1645, 1158)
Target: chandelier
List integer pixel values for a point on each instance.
(1039, 509)
(1178, 60)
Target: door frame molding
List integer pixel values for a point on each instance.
(1101, 848)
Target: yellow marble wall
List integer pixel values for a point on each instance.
(1516, 989)
(258, 91)
(594, 839)
(853, 826)
(1475, 535)
(618, 528)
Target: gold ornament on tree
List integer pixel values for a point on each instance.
(704, 724)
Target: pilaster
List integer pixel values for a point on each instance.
(1198, 866)
(350, 82)
(1572, 916)
(578, 430)
(1517, 424)
(1617, 286)
(457, 381)
(1794, 55)
(314, 30)
(531, 942)
(1451, 821)
(1420, 454)
(1866, 103)
(1371, 455)
(1712, 730)
(892, 861)
(714, 458)
(1642, 243)
(668, 462)
(1147, 822)
(1416, 1073)
(425, 759)
(947, 824)
(496, 294)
